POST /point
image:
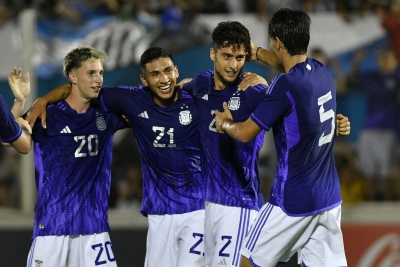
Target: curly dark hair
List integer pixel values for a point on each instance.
(231, 33)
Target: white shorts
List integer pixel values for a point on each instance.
(72, 251)
(175, 240)
(275, 237)
(225, 229)
(376, 153)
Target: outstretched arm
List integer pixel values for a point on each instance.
(265, 56)
(242, 131)
(38, 108)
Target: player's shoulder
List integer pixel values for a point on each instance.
(204, 76)
(122, 89)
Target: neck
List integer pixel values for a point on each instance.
(166, 102)
(290, 61)
(77, 102)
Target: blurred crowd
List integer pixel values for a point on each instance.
(369, 168)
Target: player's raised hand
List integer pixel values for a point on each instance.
(251, 79)
(342, 125)
(19, 86)
(220, 117)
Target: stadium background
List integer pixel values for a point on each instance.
(37, 42)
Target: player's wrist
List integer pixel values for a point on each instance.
(225, 124)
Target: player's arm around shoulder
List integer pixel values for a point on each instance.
(251, 79)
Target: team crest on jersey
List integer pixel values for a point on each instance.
(234, 103)
(101, 123)
(185, 117)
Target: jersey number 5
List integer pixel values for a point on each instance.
(324, 116)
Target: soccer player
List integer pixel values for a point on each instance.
(304, 210)
(73, 171)
(15, 131)
(164, 120)
(230, 168)
(11, 131)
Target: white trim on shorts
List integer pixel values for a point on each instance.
(225, 229)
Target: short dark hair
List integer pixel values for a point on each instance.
(76, 57)
(292, 27)
(152, 54)
(233, 33)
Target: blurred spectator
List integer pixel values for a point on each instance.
(126, 189)
(7, 11)
(352, 183)
(319, 5)
(391, 23)
(265, 8)
(348, 9)
(334, 66)
(9, 177)
(378, 138)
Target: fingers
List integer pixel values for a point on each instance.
(251, 79)
(44, 120)
(27, 77)
(25, 125)
(225, 105)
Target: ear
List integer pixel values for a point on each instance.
(177, 71)
(72, 78)
(279, 43)
(212, 54)
(144, 81)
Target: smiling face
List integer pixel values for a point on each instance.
(228, 64)
(160, 76)
(87, 79)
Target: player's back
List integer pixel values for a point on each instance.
(306, 181)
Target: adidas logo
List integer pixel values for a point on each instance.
(200, 261)
(66, 130)
(223, 262)
(205, 97)
(144, 115)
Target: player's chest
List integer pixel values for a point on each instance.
(238, 103)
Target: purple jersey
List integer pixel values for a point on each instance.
(73, 170)
(169, 146)
(301, 109)
(10, 131)
(230, 167)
